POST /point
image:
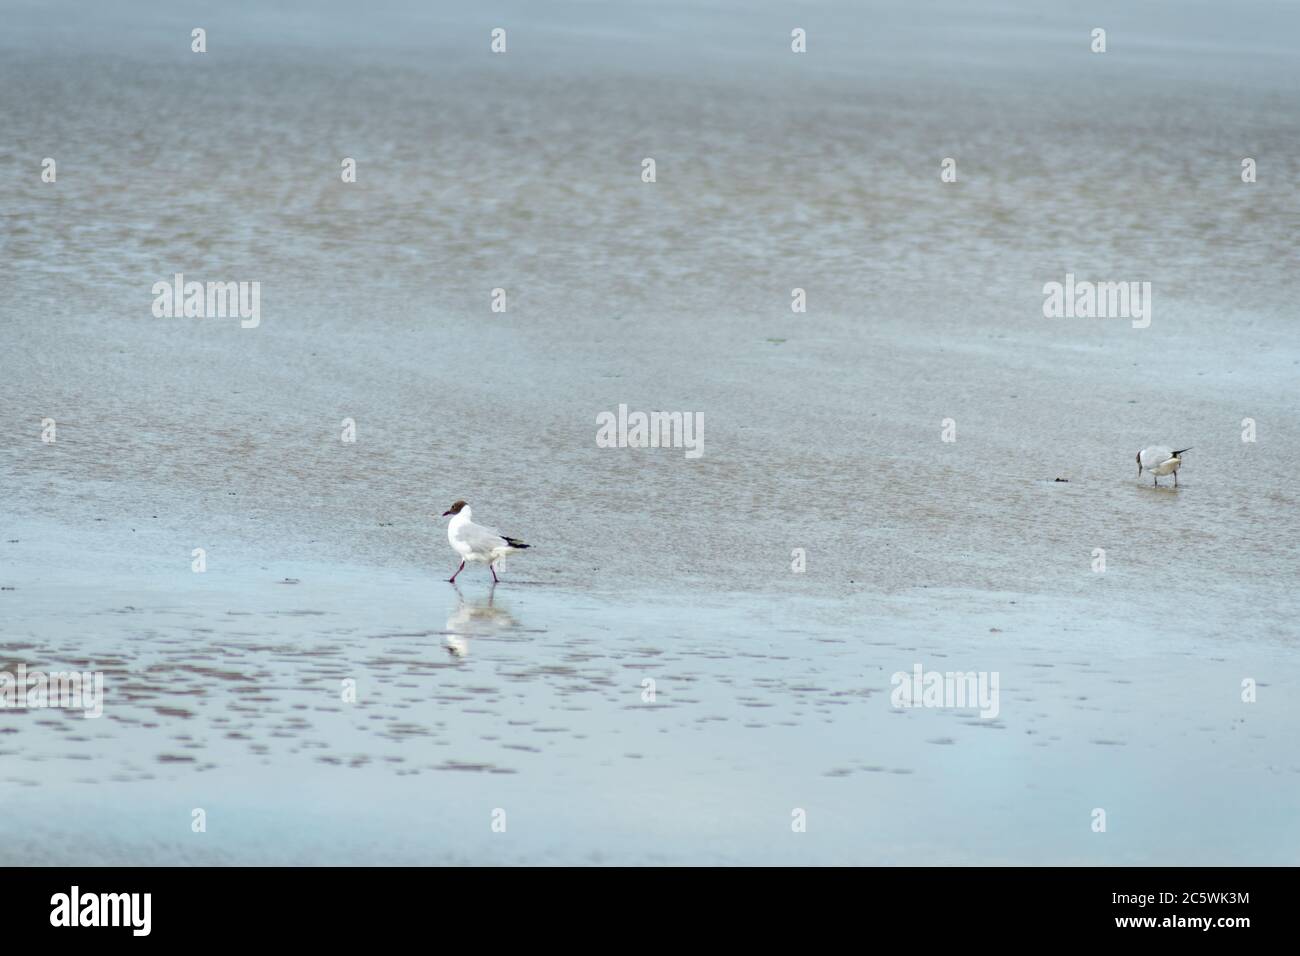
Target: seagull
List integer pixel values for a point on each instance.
(473, 542)
(1160, 460)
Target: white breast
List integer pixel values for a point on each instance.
(459, 545)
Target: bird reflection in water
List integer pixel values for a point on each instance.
(480, 617)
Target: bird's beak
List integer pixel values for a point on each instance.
(447, 512)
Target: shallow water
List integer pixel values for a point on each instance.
(821, 431)
(224, 693)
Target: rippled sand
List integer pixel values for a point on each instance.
(822, 431)
(224, 692)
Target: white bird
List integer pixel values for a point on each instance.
(1160, 460)
(473, 542)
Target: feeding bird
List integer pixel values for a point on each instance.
(1160, 460)
(474, 542)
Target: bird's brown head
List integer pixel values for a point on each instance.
(454, 509)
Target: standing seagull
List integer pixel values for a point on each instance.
(473, 542)
(1160, 460)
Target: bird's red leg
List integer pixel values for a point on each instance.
(452, 579)
(495, 579)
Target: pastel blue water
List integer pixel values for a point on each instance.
(1122, 690)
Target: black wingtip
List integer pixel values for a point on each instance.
(516, 543)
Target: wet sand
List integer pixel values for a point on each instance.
(1120, 689)
(224, 693)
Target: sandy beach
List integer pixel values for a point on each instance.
(325, 560)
